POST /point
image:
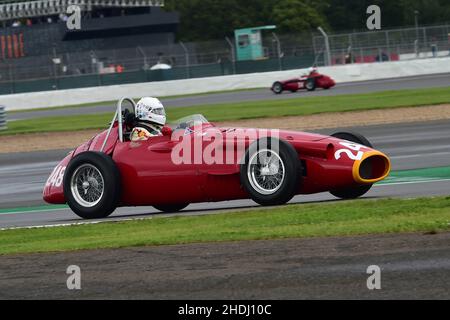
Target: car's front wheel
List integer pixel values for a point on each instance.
(92, 185)
(310, 84)
(277, 87)
(271, 172)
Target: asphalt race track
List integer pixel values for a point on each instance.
(418, 82)
(410, 146)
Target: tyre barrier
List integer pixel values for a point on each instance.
(2, 118)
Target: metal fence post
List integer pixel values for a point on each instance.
(55, 68)
(388, 49)
(3, 125)
(141, 51)
(327, 46)
(279, 54)
(416, 42)
(233, 54)
(94, 61)
(188, 71)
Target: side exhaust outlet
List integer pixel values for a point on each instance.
(373, 167)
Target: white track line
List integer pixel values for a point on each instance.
(74, 224)
(151, 216)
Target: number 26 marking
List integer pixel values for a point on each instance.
(350, 154)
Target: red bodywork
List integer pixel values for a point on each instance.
(150, 177)
(295, 84)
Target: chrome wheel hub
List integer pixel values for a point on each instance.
(87, 185)
(266, 172)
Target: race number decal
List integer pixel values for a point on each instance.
(350, 151)
(56, 178)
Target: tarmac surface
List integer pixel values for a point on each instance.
(410, 146)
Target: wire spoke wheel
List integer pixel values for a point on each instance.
(92, 185)
(277, 87)
(266, 172)
(271, 171)
(87, 185)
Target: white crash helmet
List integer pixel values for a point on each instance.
(151, 110)
(312, 69)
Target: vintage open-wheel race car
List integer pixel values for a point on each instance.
(195, 161)
(309, 82)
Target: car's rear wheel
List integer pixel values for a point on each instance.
(92, 185)
(310, 84)
(169, 208)
(271, 172)
(277, 87)
(357, 191)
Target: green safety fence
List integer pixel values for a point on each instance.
(197, 71)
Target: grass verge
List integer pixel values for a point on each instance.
(253, 109)
(113, 103)
(292, 221)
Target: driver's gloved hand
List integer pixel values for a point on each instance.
(129, 118)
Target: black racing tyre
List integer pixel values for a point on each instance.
(358, 191)
(169, 208)
(277, 87)
(92, 185)
(353, 137)
(310, 84)
(271, 171)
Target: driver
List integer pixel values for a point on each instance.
(312, 69)
(150, 119)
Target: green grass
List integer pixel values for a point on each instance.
(253, 109)
(323, 104)
(51, 124)
(114, 102)
(344, 218)
(81, 105)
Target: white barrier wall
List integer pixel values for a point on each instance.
(342, 73)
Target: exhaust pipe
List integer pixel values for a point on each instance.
(373, 167)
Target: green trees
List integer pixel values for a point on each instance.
(215, 19)
(350, 15)
(298, 15)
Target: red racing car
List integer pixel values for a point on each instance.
(196, 161)
(309, 82)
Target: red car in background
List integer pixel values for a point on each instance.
(309, 82)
